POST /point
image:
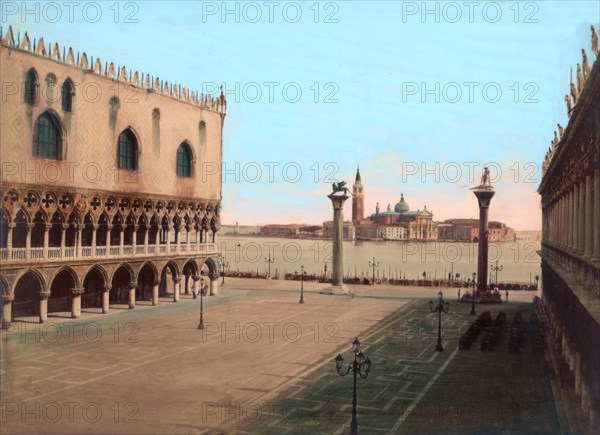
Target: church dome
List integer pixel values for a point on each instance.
(401, 207)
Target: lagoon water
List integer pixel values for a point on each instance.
(519, 260)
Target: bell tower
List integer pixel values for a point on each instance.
(357, 198)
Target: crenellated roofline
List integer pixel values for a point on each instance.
(111, 71)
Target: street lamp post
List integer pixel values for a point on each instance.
(474, 283)
(203, 289)
(224, 264)
(302, 274)
(359, 363)
(496, 269)
(441, 306)
(373, 264)
(537, 280)
(325, 268)
(270, 261)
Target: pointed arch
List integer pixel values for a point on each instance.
(30, 91)
(127, 150)
(48, 136)
(184, 160)
(67, 93)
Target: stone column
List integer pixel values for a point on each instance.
(569, 220)
(169, 227)
(121, 240)
(76, 302)
(337, 274)
(596, 216)
(107, 240)
(196, 287)
(582, 213)
(28, 240)
(484, 197)
(134, 238)
(78, 241)
(176, 283)
(7, 310)
(575, 217)
(106, 299)
(46, 238)
(155, 285)
(44, 306)
(9, 239)
(94, 239)
(146, 239)
(589, 218)
(132, 286)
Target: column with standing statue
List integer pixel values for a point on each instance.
(484, 193)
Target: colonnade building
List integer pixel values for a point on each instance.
(570, 251)
(111, 183)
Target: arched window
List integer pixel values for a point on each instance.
(31, 85)
(127, 151)
(47, 137)
(67, 95)
(184, 161)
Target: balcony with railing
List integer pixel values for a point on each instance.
(70, 253)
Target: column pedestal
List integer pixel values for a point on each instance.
(337, 276)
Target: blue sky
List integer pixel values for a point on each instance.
(364, 70)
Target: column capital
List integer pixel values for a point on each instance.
(7, 298)
(47, 226)
(107, 288)
(12, 225)
(30, 225)
(196, 277)
(132, 285)
(177, 280)
(96, 226)
(65, 227)
(44, 295)
(77, 291)
(156, 282)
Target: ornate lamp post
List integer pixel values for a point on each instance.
(203, 290)
(441, 306)
(537, 280)
(424, 275)
(224, 264)
(359, 363)
(302, 274)
(325, 269)
(496, 269)
(373, 264)
(270, 261)
(473, 283)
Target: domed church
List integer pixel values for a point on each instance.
(399, 223)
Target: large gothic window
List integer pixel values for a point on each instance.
(127, 151)
(31, 85)
(47, 137)
(67, 96)
(184, 161)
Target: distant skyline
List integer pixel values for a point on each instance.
(421, 100)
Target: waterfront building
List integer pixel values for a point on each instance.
(467, 230)
(104, 201)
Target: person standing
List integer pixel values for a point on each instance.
(506, 295)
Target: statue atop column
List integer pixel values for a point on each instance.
(339, 187)
(485, 183)
(377, 209)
